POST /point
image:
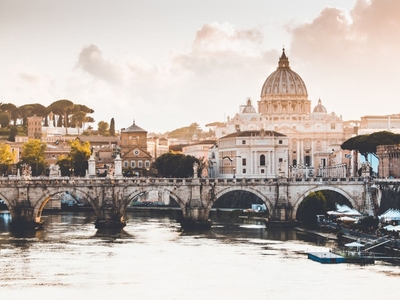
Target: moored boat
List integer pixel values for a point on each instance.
(351, 254)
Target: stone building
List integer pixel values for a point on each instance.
(34, 127)
(389, 161)
(314, 136)
(247, 154)
(374, 123)
(200, 151)
(133, 147)
(157, 147)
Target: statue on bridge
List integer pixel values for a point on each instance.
(54, 171)
(195, 169)
(26, 171)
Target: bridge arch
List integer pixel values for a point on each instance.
(321, 188)
(38, 209)
(134, 193)
(6, 201)
(224, 191)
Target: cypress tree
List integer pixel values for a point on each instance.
(112, 127)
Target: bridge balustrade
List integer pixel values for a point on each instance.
(81, 181)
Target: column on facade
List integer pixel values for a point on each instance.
(251, 162)
(298, 151)
(312, 156)
(254, 162)
(302, 152)
(273, 169)
(352, 162)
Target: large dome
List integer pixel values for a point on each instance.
(283, 82)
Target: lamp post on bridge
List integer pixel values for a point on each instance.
(36, 170)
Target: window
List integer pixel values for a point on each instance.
(125, 164)
(323, 162)
(244, 171)
(262, 160)
(333, 126)
(280, 142)
(140, 164)
(133, 164)
(262, 171)
(243, 142)
(243, 161)
(147, 164)
(280, 160)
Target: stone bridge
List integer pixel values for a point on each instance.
(109, 197)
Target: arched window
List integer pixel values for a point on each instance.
(262, 160)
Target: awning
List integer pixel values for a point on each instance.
(354, 244)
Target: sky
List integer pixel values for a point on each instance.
(168, 64)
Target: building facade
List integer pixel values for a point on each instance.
(250, 154)
(157, 147)
(389, 161)
(34, 127)
(314, 136)
(373, 123)
(200, 151)
(133, 148)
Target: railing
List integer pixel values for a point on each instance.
(83, 181)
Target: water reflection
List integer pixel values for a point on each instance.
(152, 258)
(64, 223)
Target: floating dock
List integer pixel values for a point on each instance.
(326, 257)
(332, 258)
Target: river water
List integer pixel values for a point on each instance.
(151, 258)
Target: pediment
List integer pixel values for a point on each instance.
(136, 152)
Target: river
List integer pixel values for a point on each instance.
(151, 258)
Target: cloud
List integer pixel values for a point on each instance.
(91, 61)
(221, 46)
(204, 83)
(29, 77)
(350, 58)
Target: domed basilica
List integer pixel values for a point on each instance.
(314, 137)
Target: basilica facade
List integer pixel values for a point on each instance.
(313, 135)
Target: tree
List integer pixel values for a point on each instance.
(176, 165)
(102, 127)
(33, 155)
(63, 109)
(39, 110)
(4, 119)
(64, 162)
(186, 132)
(79, 115)
(79, 155)
(12, 111)
(366, 144)
(6, 157)
(24, 111)
(112, 127)
(78, 119)
(13, 133)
